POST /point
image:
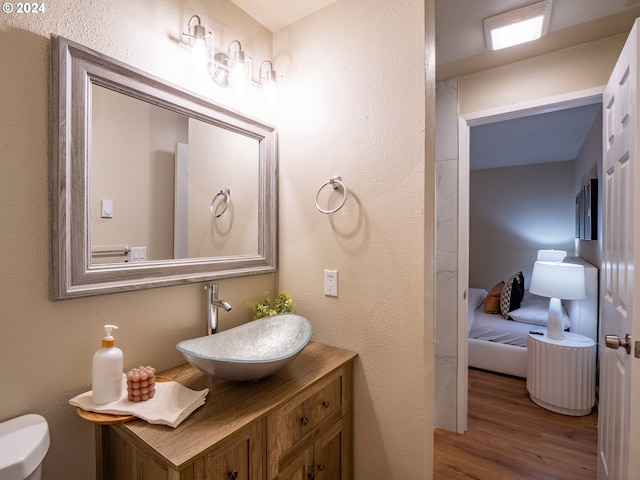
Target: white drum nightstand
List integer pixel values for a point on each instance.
(561, 374)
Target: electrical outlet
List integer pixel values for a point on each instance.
(331, 283)
(138, 254)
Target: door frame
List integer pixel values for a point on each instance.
(465, 122)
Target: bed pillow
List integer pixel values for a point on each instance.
(520, 280)
(476, 297)
(492, 300)
(511, 294)
(535, 310)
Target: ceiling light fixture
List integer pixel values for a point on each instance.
(517, 26)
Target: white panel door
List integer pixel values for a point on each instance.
(619, 408)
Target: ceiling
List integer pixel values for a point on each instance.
(548, 137)
(460, 43)
(461, 50)
(277, 14)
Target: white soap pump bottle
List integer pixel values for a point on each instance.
(107, 370)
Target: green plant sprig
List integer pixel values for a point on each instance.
(283, 303)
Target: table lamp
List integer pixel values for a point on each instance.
(551, 255)
(558, 281)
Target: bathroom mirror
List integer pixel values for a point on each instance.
(152, 185)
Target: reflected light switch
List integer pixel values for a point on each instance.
(106, 208)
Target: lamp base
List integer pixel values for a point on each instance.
(555, 324)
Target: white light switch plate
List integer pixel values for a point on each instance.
(106, 208)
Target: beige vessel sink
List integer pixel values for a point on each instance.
(251, 351)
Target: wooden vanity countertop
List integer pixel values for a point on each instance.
(231, 406)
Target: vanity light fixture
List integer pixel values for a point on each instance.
(517, 26)
(198, 40)
(231, 69)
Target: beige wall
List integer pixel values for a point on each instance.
(573, 69)
(588, 166)
(132, 164)
(514, 211)
(221, 159)
(353, 106)
(47, 346)
(356, 108)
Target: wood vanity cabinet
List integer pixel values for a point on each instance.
(296, 424)
(328, 458)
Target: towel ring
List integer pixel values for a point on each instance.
(226, 193)
(336, 183)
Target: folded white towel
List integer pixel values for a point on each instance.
(171, 404)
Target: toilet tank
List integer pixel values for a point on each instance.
(24, 442)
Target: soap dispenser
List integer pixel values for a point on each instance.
(107, 370)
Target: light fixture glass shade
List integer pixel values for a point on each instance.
(521, 32)
(240, 70)
(558, 280)
(268, 81)
(551, 255)
(517, 26)
(198, 40)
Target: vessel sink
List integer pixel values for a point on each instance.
(251, 351)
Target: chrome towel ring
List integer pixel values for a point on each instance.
(336, 183)
(226, 193)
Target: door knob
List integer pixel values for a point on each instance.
(613, 341)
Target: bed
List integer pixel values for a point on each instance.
(500, 345)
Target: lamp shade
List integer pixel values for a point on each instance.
(551, 255)
(558, 280)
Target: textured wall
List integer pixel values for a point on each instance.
(570, 70)
(515, 211)
(354, 106)
(47, 346)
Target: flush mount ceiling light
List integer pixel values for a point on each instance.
(517, 26)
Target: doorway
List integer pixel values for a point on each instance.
(466, 123)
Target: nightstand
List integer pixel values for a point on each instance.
(561, 374)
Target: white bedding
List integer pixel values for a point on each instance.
(497, 344)
(531, 316)
(494, 328)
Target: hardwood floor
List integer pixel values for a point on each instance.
(511, 438)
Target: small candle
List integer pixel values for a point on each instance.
(141, 383)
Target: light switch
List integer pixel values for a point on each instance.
(106, 208)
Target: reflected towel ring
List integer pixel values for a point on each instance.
(336, 183)
(226, 193)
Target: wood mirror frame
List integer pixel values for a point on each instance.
(75, 69)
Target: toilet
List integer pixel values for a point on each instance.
(24, 442)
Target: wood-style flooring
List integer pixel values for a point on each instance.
(511, 438)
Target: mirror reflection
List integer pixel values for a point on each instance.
(166, 186)
(152, 185)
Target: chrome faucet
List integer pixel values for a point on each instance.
(213, 302)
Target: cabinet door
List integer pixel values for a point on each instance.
(327, 459)
(301, 468)
(328, 454)
(242, 459)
